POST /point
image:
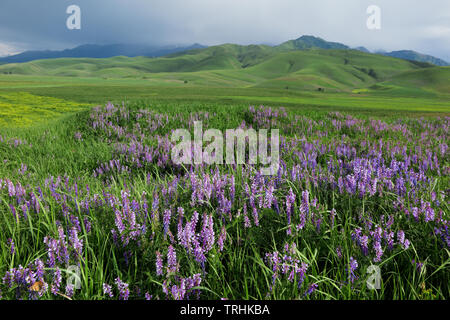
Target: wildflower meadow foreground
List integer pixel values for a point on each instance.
(94, 207)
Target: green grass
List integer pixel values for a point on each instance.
(345, 102)
(218, 88)
(239, 272)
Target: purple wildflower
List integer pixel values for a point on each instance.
(107, 290)
(290, 200)
(378, 251)
(124, 292)
(247, 223)
(312, 288)
(166, 220)
(339, 252)
(222, 238)
(159, 264)
(171, 260)
(429, 214)
(353, 265)
(419, 265)
(77, 243)
(199, 253)
(39, 269)
(69, 290)
(57, 279)
(207, 233)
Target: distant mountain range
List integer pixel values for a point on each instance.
(311, 42)
(416, 56)
(106, 51)
(99, 51)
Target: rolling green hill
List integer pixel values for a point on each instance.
(338, 70)
(422, 82)
(258, 66)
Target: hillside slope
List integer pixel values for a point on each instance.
(420, 82)
(236, 65)
(331, 69)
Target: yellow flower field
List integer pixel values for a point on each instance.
(22, 109)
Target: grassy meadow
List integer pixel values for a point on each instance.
(92, 206)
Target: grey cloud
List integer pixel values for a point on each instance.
(417, 25)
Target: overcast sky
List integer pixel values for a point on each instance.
(419, 25)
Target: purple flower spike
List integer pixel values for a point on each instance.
(159, 264)
(312, 288)
(124, 292)
(107, 290)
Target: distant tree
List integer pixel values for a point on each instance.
(291, 64)
(185, 81)
(346, 61)
(373, 74)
